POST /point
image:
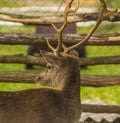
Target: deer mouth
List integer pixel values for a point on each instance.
(39, 80)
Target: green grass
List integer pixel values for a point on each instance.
(17, 29)
(109, 95)
(104, 28)
(16, 86)
(22, 3)
(113, 3)
(97, 51)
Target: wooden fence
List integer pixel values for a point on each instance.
(35, 39)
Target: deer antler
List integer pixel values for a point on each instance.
(104, 13)
(59, 31)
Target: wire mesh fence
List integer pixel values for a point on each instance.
(52, 8)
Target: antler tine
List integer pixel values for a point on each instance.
(104, 13)
(49, 45)
(72, 10)
(59, 31)
(68, 10)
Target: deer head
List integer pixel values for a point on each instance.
(59, 62)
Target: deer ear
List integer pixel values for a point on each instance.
(74, 53)
(50, 58)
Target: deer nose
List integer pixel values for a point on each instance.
(37, 78)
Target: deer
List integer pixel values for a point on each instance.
(52, 105)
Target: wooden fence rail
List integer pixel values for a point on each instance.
(70, 39)
(92, 108)
(86, 80)
(38, 61)
(37, 20)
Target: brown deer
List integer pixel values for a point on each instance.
(51, 105)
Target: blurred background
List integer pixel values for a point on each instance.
(54, 7)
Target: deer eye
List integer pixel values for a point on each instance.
(49, 67)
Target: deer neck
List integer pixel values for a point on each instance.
(71, 82)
